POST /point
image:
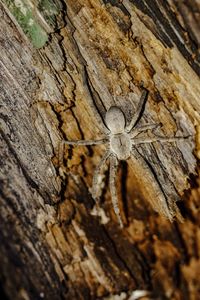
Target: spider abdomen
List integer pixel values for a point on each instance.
(120, 144)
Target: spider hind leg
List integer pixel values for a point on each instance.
(113, 190)
(95, 190)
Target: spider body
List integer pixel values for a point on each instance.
(121, 141)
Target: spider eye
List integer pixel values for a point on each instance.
(115, 120)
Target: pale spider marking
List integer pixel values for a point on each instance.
(121, 140)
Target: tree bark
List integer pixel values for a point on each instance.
(63, 64)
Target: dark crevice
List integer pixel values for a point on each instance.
(2, 292)
(118, 4)
(183, 205)
(124, 23)
(145, 268)
(166, 178)
(183, 248)
(23, 258)
(185, 16)
(119, 255)
(180, 29)
(9, 201)
(166, 32)
(151, 169)
(77, 123)
(140, 260)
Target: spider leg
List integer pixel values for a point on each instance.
(60, 158)
(93, 100)
(113, 191)
(160, 139)
(95, 182)
(146, 127)
(86, 142)
(77, 143)
(138, 111)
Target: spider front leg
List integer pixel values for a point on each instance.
(77, 143)
(143, 128)
(86, 142)
(92, 95)
(138, 111)
(113, 190)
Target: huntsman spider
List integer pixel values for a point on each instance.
(121, 140)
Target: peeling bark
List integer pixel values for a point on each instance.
(55, 243)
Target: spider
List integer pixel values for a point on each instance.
(121, 140)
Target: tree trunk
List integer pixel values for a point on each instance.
(63, 64)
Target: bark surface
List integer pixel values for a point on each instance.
(62, 65)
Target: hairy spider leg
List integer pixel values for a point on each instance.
(86, 142)
(92, 94)
(145, 127)
(97, 172)
(160, 139)
(78, 143)
(136, 116)
(113, 190)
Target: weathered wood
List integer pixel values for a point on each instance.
(55, 243)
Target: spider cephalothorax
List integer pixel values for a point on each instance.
(121, 140)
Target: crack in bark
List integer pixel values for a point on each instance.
(166, 32)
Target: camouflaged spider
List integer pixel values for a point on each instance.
(121, 140)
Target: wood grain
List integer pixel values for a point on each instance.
(55, 243)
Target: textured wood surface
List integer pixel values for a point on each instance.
(55, 243)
